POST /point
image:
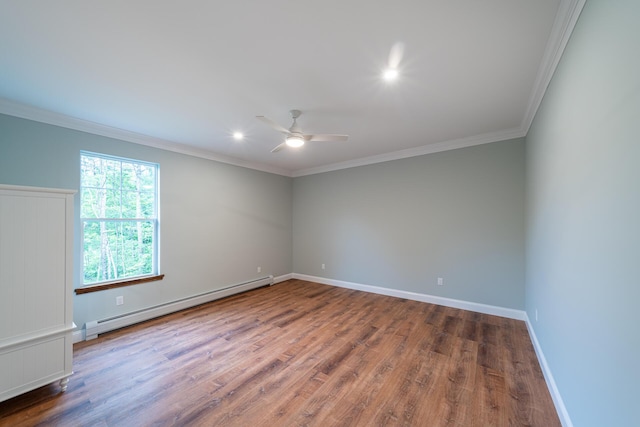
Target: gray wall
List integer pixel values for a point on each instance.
(218, 222)
(402, 224)
(583, 231)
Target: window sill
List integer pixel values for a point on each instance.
(120, 284)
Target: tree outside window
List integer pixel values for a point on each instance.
(119, 216)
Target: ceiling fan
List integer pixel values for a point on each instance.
(294, 136)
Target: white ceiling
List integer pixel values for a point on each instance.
(184, 75)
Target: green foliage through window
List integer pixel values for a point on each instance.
(119, 218)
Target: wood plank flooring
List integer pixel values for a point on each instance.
(301, 354)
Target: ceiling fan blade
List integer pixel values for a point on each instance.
(273, 124)
(395, 56)
(279, 147)
(326, 137)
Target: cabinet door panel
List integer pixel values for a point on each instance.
(36, 286)
(32, 365)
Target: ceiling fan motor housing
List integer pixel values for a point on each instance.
(294, 135)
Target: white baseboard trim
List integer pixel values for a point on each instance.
(432, 299)
(95, 327)
(78, 335)
(563, 414)
(282, 278)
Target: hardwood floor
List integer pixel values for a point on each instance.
(300, 353)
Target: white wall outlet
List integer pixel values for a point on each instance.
(119, 300)
(440, 281)
(536, 314)
(323, 266)
(259, 269)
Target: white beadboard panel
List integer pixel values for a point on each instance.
(48, 305)
(11, 248)
(32, 365)
(44, 359)
(36, 247)
(32, 252)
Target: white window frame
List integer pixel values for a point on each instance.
(154, 219)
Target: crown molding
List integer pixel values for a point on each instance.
(566, 19)
(417, 151)
(28, 112)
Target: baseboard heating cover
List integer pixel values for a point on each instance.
(96, 327)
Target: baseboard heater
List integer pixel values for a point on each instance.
(96, 327)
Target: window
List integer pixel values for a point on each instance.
(119, 214)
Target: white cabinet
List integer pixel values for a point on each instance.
(36, 288)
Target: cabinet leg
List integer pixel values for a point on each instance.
(64, 383)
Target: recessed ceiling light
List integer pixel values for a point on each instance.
(238, 136)
(395, 56)
(390, 74)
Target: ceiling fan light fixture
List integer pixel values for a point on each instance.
(294, 141)
(294, 137)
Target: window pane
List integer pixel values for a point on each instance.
(100, 172)
(138, 205)
(117, 249)
(147, 205)
(90, 172)
(111, 173)
(147, 178)
(112, 203)
(128, 177)
(89, 202)
(93, 266)
(131, 204)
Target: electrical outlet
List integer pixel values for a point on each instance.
(323, 266)
(440, 281)
(119, 300)
(536, 314)
(259, 269)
